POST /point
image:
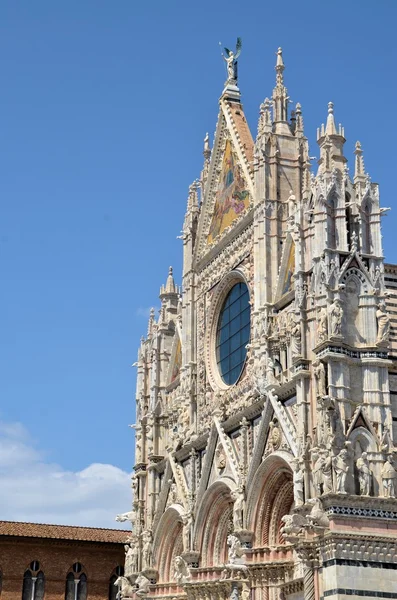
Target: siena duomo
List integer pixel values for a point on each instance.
(265, 463)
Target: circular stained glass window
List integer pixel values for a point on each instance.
(233, 333)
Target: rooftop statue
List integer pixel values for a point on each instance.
(231, 61)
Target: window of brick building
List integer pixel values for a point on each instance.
(33, 582)
(114, 589)
(76, 583)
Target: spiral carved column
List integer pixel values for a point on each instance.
(308, 583)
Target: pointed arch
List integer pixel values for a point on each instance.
(270, 499)
(76, 583)
(33, 582)
(214, 522)
(168, 542)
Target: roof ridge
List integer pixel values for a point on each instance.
(72, 526)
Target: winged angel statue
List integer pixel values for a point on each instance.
(231, 61)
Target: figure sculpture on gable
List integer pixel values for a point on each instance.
(231, 61)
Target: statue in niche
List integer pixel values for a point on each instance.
(341, 469)
(187, 522)
(336, 317)
(298, 478)
(296, 336)
(383, 320)
(150, 434)
(173, 493)
(322, 326)
(389, 478)
(320, 378)
(238, 498)
(274, 435)
(326, 470)
(318, 460)
(220, 458)
(182, 572)
(364, 475)
(147, 548)
(291, 206)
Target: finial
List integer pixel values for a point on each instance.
(170, 287)
(330, 128)
(359, 171)
(151, 322)
(193, 200)
(279, 67)
(299, 118)
(207, 149)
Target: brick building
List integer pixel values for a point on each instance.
(58, 562)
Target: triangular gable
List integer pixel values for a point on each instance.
(229, 190)
(354, 261)
(285, 286)
(360, 419)
(232, 197)
(175, 361)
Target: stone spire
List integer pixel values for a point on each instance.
(280, 98)
(265, 118)
(331, 141)
(170, 287)
(207, 158)
(299, 119)
(151, 323)
(359, 171)
(207, 149)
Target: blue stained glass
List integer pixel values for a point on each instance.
(233, 333)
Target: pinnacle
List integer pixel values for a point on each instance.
(170, 285)
(330, 128)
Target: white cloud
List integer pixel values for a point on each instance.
(34, 490)
(145, 312)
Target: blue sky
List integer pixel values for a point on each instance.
(104, 106)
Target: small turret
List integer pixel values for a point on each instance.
(359, 171)
(331, 141)
(169, 293)
(151, 323)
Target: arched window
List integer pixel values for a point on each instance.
(33, 582)
(117, 572)
(233, 333)
(366, 228)
(76, 583)
(331, 229)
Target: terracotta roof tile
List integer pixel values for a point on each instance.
(63, 532)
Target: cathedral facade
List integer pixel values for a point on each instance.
(267, 386)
